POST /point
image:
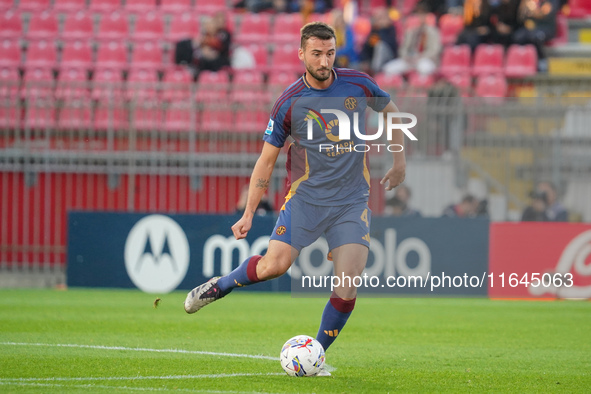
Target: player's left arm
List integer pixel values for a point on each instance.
(396, 174)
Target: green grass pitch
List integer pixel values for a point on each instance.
(389, 344)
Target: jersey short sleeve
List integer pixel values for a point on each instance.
(379, 98)
(275, 133)
(279, 126)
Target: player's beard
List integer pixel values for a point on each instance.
(317, 76)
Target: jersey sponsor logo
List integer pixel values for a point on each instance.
(280, 230)
(270, 125)
(350, 103)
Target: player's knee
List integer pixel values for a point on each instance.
(272, 267)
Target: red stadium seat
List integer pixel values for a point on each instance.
(522, 61)
(455, 60)
(286, 28)
(179, 116)
(69, 5)
(561, 37)
(177, 84)
(140, 6)
(285, 58)
(216, 120)
(183, 26)
(248, 87)
(37, 83)
(146, 56)
(389, 81)
(146, 115)
(212, 87)
(176, 6)
(149, 27)
(261, 56)
(105, 5)
(254, 29)
(488, 59)
(6, 5)
(279, 81)
(142, 85)
(40, 113)
(9, 84)
(107, 84)
(209, 6)
(462, 82)
(9, 98)
(251, 121)
(76, 54)
(41, 54)
(450, 26)
(77, 26)
(12, 25)
(419, 81)
(10, 54)
(579, 8)
(414, 21)
(42, 26)
(113, 26)
(10, 114)
(75, 114)
(34, 5)
(493, 85)
(111, 55)
(72, 84)
(111, 115)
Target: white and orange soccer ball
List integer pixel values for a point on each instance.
(302, 355)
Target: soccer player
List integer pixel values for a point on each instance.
(328, 179)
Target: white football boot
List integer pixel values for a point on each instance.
(203, 295)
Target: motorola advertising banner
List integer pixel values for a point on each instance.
(160, 253)
(540, 260)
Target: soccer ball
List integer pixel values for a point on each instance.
(302, 355)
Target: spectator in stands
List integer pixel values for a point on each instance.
(264, 207)
(504, 22)
(469, 207)
(555, 211)
(211, 49)
(346, 54)
(381, 45)
(538, 25)
(536, 212)
(420, 48)
(398, 205)
(477, 27)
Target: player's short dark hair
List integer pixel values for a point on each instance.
(319, 30)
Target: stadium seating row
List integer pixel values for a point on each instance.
(116, 55)
(206, 6)
(518, 61)
(247, 87)
(176, 117)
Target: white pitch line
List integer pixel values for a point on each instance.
(96, 386)
(105, 378)
(140, 349)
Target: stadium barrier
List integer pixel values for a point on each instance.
(408, 256)
(159, 253)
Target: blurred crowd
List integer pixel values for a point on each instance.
(398, 43)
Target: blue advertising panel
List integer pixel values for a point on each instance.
(160, 253)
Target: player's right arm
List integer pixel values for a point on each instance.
(259, 182)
